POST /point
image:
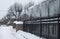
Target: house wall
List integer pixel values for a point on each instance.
(44, 9)
(34, 11)
(53, 6)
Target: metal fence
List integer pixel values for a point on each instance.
(48, 28)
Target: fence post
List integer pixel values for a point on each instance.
(40, 28)
(58, 29)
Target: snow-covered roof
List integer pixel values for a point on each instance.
(34, 5)
(18, 22)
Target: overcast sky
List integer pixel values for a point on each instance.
(4, 5)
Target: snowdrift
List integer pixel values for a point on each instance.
(7, 32)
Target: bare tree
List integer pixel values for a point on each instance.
(15, 11)
(24, 17)
(29, 5)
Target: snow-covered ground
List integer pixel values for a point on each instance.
(7, 32)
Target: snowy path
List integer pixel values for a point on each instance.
(10, 33)
(6, 33)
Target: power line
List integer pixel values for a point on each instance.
(3, 10)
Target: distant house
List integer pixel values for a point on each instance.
(18, 25)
